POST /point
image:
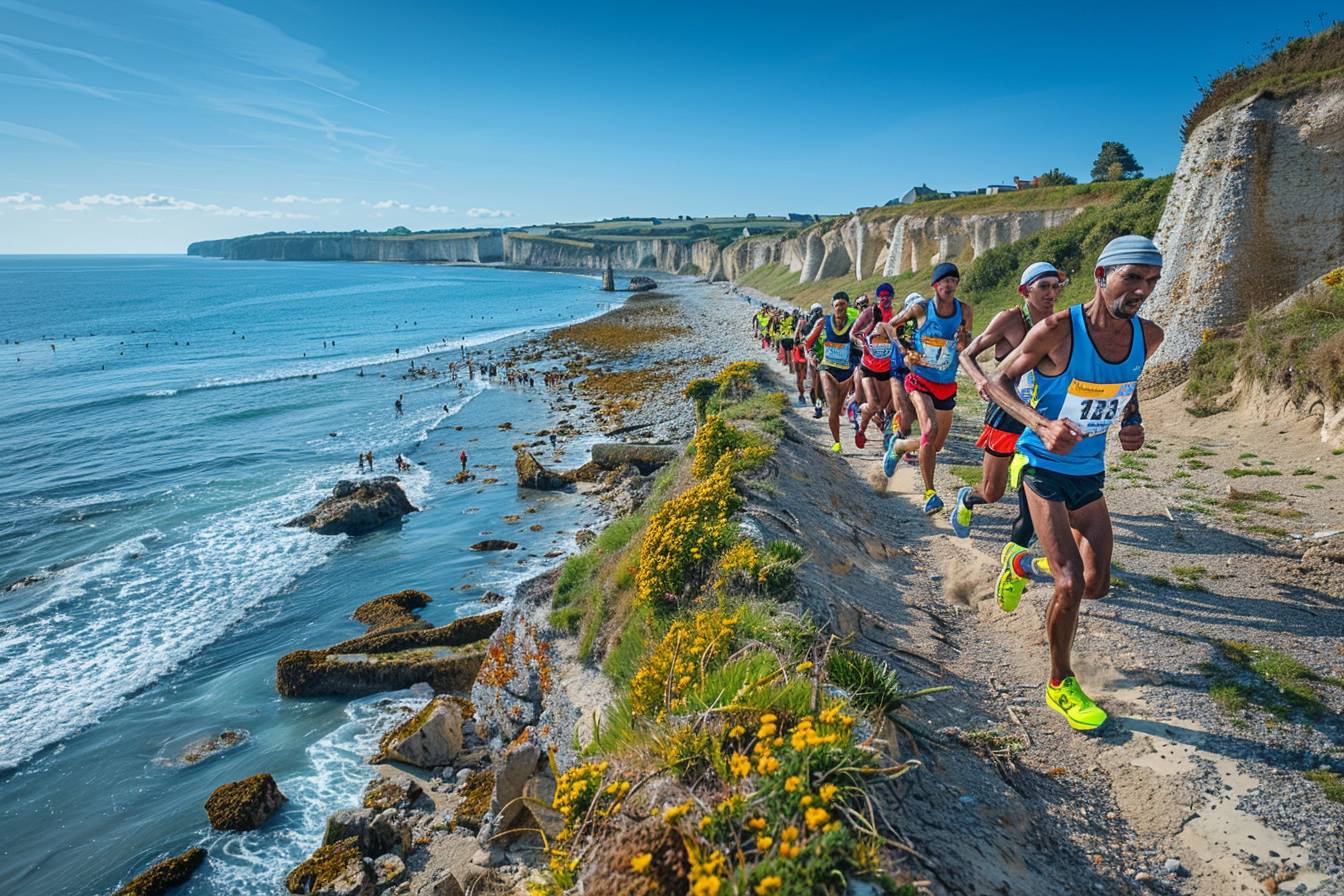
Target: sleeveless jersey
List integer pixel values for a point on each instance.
(835, 351)
(1091, 392)
(877, 356)
(996, 417)
(936, 340)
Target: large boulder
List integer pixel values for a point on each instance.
(203, 748)
(357, 507)
(645, 458)
(163, 876)
(532, 474)
(430, 738)
(243, 805)
(447, 657)
(334, 869)
(393, 612)
(373, 832)
(494, 544)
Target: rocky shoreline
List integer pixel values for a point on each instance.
(461, 789)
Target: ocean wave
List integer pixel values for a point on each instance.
(85, 650)
(160, 393)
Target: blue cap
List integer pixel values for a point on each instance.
(1131, 249)
(885, 289)
(946, 269)
(1036, 271)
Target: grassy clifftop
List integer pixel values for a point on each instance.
(1300, 64)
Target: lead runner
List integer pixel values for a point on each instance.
(1087, 361)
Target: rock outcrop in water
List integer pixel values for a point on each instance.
(446, 657)
(243, 805)
(165, 875)
(1256, 212)
(357, 507)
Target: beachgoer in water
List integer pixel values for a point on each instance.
(361, 462)
(463, 457)
(397, 405)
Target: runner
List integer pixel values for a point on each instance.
(875, 362)
(1080, 393)
(942, 326)
(837, 364)
(1039, 287)
(802, 367)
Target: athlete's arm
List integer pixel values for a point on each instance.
(914, 313)
(863, 324)
(1058, 436)
(816, 331)
(977, 346)
(964, 331)
(1131, 423)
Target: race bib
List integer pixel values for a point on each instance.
(1095, 406)
(836, 354)
(1026, 388)
(937, 353)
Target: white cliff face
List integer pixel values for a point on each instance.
(1256, 211)
(920, 241)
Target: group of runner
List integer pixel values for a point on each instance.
(1063, 380)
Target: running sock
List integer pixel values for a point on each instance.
(1055, 682)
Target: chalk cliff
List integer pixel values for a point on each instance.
(298, 247)
(1256, 212)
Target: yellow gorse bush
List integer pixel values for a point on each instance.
(688, 649)
(685, 536)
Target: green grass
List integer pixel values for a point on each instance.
(1197, 465)
(1259, 529)
(971, 475)
(1331, 783)
(1246, 455)
(1241, 472)
(1196, 451)
(1328, 477)
(994, 744)
(872, 686)
(1313, 487)
(1298, 65)
(1304, 471)
(1257, 675)
(1161, 581)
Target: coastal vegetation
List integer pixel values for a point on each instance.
(1300, 351)
(1300, 64)
(736, 757)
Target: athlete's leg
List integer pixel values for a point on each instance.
(902, 403)
(1055, 531)
(835, 398)
(928, 435)
(993, 479)
(872, 392)
(944, 427)
(1092, 531)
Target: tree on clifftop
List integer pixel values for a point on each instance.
(1115, 162)
(1056, 178)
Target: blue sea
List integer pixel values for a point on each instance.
(161, 417)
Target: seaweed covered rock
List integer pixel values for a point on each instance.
(430, 738)
(476, 793)
(334, 869)
(163, 876)
(393, 612)
(645, 458)
(532, 474)
(203, 748)
(494, 544)
(391, 793)
(243, 805)
(447, 657)
(373, 831)
(357, 507)
(608, 871)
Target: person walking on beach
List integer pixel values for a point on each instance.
(361, 462)
(369, 457)
(397, 405)
(1088, 360)
(463, 457)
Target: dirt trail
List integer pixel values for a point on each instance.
(1176, 794)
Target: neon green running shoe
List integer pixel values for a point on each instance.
(1019, 463)
(836, 448)
(1076, 707)
(1009, 587)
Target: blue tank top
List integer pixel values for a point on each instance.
(936, 340)
(1091, 392)
(836, 345)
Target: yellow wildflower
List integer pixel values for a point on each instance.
(767, 730)
(739, 765)
(640, 863)
(756, 824)
(792, 783)
(736, 731)
(769, 884)
(816, 817)
(675, 812)
(827, 792)
(803, 666)
(763, 842)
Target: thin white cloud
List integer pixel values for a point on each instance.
(292, 199)
(172, 203)
(37, 135)
(434, 209)
(489, 213)
(20, 199)
(386, 203)
(127, 219)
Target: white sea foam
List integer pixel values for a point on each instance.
(70, 583)
(160, 393)
(66, 664)
(257, 861)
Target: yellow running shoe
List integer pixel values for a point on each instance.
(836, 447)
(1077, 708)
(1009, 587)
(1015, 469)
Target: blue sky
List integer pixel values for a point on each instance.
(141, 126)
